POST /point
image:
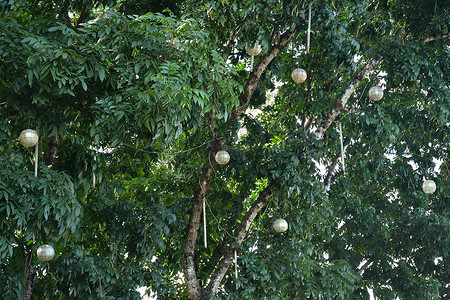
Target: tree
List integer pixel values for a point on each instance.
(133, 104)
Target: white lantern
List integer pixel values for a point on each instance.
(299, 75)
(45, 252)
(255, 50)
(222, 157)
(375, 93)
(429, 187)
(28, 137)
(280, 225)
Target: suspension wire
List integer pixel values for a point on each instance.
(204, 223)
(36, 154)
(342, 146)
(309, 31)
(235, 263)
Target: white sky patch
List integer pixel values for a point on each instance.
(142, 290)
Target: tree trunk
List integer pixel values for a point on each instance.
(53, 143)
(30, 273)
(187, 253)
(193, 287)
(239, 237)
(340, 104)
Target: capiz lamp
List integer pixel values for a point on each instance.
(280, 225)
(429, 187)
(28, 137)
(45, 252)
(222, 157)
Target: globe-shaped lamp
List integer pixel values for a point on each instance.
(280, 225)
(429, 187)
(45, 252)
(375, 93)
(299, 75)
(222, 157)
(28, 137)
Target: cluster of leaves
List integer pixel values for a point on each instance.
(129, 98)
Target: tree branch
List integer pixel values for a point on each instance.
(30, 273)
(255, 75)
(433, 38)
(340, 104)
(83, 15)
(365, 265)
(65, 16)
(331, 168)
(187, 253)
(239, 236)
(53, 143)
(309, 123)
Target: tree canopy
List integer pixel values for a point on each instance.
(133, 99)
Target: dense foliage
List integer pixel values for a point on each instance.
(132, 101)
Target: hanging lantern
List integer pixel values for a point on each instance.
(299, 75)
(28, 137)
(222, 157)
(429, 187)
(255, 50)
(280, 225)
(45, 252)
(375, 93)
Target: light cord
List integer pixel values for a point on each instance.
(204, 223)
(235, 263)
(342, 146)
(309, 31)
(36, 155)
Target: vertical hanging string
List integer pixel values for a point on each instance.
(93, 173)
(309, 30)
(235, 263)
(36, 155)
(204, 222)
(251, 64)
(342, 146)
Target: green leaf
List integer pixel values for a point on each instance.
(101, 74)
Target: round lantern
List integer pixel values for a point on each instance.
(222, 157)
(375, 93)
(299, 75)
(28, 137)
(280, 225)
(429, 187)
(45, 252)
(255, 50)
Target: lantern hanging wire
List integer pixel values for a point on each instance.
(93, 173)
(204, 222)
(235, 263)
(342, 147)
(309, 30)
(36, 155)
